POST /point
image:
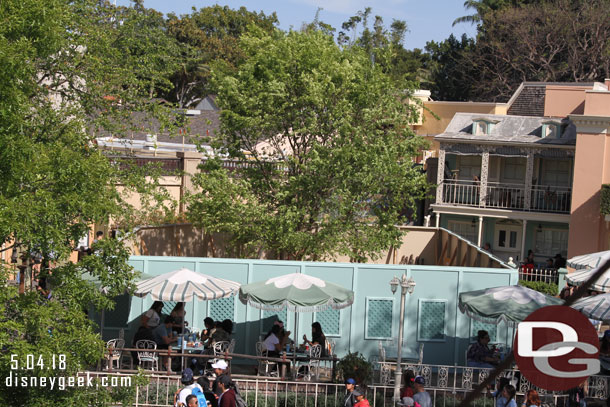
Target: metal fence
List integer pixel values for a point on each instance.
(447, 385)
(538, 274)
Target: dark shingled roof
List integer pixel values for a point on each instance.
(508, 129)
(529, 98)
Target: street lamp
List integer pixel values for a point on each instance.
(406, 286)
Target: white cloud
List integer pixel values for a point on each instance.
(389, 9)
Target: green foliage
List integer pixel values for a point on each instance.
(604, 206)
(68, 70)
(541, 286)
(334, 174)
(450, 70)
(209, 37)
(355, 366)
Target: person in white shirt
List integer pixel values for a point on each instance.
(152, 318)
(189, 383)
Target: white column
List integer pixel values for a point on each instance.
(480, 236)
(523, 240)
(440, 176)
(438, 220)
(529, 174)
(484, 176)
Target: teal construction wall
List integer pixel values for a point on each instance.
(374, 314)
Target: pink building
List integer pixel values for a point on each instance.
(589, 110)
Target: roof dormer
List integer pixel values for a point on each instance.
(483, 126)
(551, 129)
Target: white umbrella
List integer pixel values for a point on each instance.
(184, 285)
(580, 276)
(595, 307)
(588, 261)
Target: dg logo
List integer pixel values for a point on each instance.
(556, 348)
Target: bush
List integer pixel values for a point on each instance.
(354, 365)
(604, 206)
(541, 286)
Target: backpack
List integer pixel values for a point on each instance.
(239, 401)
(201, 400)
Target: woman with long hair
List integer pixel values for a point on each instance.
(408, 390)
(317, 337)
(178, 313)
(152, 318)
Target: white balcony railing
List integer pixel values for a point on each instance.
(506, 196)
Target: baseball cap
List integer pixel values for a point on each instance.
(357, 392)
(187, 375)
(420, 380)
(350, 381)
(220, 364)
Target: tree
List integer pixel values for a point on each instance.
(559, 41)
(330, 146)
(451, 72)
(208, 36)
(67, 70)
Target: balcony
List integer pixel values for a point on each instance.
(543, 198)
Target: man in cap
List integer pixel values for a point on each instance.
(189, 384)
(360, 400)
(220, 369)
(349, 399)
(421, 396)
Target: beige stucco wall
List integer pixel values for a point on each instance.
(597, 103)
(446, 110)
(589, 231)
(561, 101)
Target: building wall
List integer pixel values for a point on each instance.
(588, 230)
(561, 101)
(350, 331)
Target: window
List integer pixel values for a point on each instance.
(513, 170)
(476, 326)
(555, 172)
(551, 130)
(468, 166)
(483, 126)
(467, 230)
(507, 237)
(222, 308)
(378, 320)
(549, 242)
(431, 320)
(330, 320)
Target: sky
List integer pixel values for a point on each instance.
(426, 19)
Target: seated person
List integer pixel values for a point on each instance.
(317, 338)
(207, 332)
(479, 354)
(164, 337)
(223, 331)
(178, 313)
(274, 345)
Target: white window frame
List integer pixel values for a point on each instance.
(551, 229)
(466, 224)
(507, 229)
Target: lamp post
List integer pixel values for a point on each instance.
(406, 286)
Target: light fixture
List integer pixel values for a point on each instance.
(14, 255)
(473, 223)
(394, 284)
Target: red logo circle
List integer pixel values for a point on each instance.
(556, 348)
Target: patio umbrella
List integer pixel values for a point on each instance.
(184, 285)
(580, 276)
(512, 303)
(296, 292)
(595, 307)
(588, 261)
